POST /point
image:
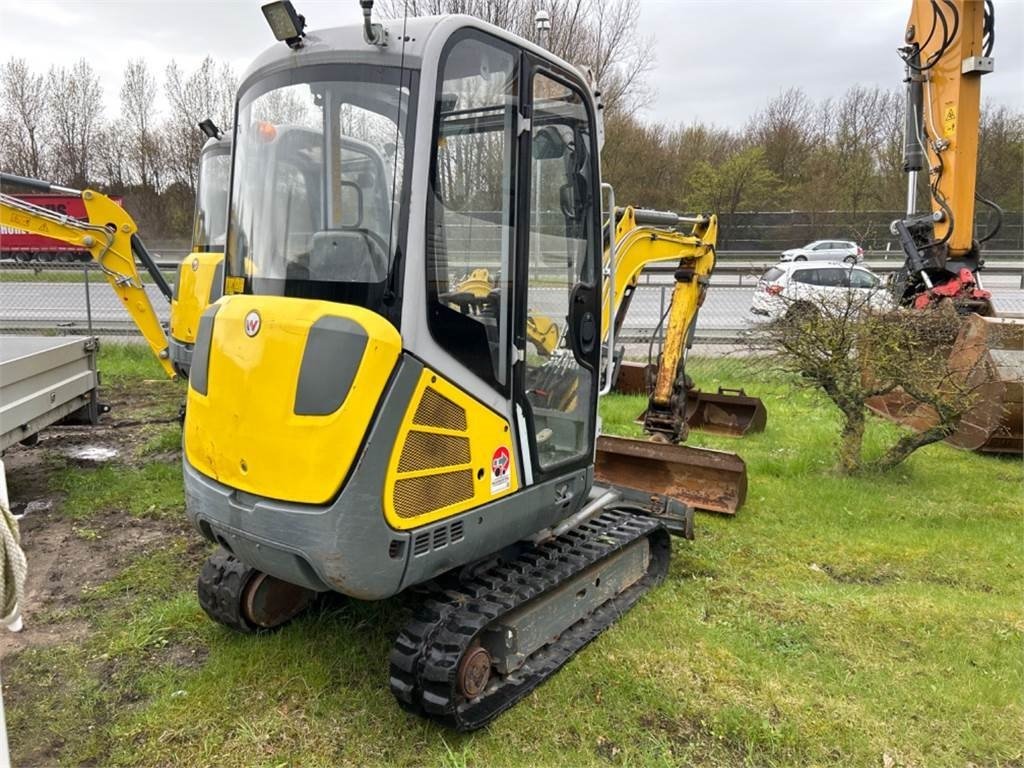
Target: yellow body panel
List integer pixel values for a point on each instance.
(245, 433)
(195, 280)
(444, 460)
(107, 237)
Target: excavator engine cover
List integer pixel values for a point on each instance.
(714, 481)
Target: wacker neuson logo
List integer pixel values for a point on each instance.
(252, 323)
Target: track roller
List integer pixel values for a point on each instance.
(246, 600)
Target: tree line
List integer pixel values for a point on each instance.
(794, 153)
(53, 126)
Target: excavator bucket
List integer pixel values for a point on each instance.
(988, 357)
(729, 412)
(714, 481)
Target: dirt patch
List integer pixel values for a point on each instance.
(882, 576)
(65, 559)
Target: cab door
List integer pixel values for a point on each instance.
(558, 327)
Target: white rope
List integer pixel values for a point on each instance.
(12, 574)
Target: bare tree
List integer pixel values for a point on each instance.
(140, 135)
(784, 128)
(208, 92)
(598, 34)
(112, 156)
(23, 123)
(854, 353)
(76, 111)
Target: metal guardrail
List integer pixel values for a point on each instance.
(52, 298)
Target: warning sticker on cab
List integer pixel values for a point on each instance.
(501, 465)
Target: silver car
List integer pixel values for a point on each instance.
(786, 286)
(826, 250)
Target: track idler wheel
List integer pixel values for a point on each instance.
(474, 672)
(245, 599)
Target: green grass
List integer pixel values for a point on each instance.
(831, 622)
(120, 363)
(67, 274)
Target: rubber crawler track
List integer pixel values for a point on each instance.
(426, 654)
(221, 583)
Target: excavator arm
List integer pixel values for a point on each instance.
(643, 238)
(947, 48)
(110, 236)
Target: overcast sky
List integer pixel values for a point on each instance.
(718, 61)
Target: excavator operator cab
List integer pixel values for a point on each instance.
(210, 223)
(200, 277)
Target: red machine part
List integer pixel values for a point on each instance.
(963, 286)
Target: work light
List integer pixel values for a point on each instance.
(285, 23)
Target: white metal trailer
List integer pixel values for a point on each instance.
(43, 380)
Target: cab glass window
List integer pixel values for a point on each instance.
(318, 183)
(470, 239)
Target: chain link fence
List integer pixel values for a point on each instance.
(52, 298)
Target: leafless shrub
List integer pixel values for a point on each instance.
(854, 352)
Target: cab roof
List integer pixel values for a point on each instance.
(411, 41)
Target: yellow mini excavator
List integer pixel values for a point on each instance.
(358, 420)
(675, 405)
(111, 238)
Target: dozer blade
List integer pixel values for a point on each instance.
(988, 358)
(729, 412)
(714, 481)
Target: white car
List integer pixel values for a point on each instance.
(794, 285)
(826, 250)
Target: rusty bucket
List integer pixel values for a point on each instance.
(728, 412)
(988, 359)
(713, 481)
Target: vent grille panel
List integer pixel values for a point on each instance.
(427, 450)
(436, 410)
(416, 496)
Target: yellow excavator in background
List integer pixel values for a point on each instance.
(200, 278)
(947, 48)
(675, 405)
(705, 479)
(111, 237)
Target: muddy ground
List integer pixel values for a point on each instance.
(68, 557)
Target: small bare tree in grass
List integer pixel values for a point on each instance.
(856, 352)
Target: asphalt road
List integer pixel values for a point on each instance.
(727, 308)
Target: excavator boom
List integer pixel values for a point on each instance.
(948, 47)
(110, 236)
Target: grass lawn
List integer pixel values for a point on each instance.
(834, 621)
(66, 273)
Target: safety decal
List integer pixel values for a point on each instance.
(949, 120)
(501, 464)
